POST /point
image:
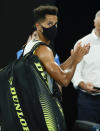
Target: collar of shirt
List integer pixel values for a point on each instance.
(94, 34)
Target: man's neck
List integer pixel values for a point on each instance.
(96, 33)
(42, 38)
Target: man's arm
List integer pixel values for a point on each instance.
(46, 57)
(77, 78)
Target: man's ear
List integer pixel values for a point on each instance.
(38, 27)
(37, 24)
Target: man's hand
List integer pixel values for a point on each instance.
(78, 53)
(88, 87)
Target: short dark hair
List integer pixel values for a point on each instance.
(41, 11)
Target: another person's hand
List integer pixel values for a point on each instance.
(79, 51)
(88, 87)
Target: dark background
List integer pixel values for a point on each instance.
(75, 21)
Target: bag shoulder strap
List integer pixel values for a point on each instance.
(36, 46)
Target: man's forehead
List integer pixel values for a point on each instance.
(97, 19)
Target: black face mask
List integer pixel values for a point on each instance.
(50, 33)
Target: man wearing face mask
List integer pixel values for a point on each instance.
(45, 18)
(31, 101)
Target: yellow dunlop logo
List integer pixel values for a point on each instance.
(40, 69)
(17, 106)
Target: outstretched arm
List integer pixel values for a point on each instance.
(45, 55)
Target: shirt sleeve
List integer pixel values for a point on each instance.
(77, 78)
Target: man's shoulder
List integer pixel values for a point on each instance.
(85, 40)
(86, 37)
(43, 48)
